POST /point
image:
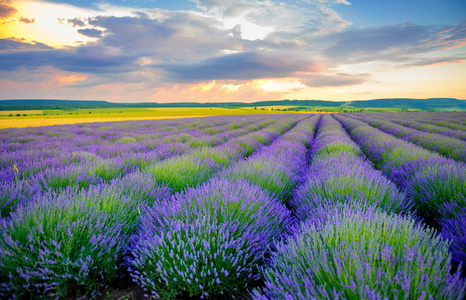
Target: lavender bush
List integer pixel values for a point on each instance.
(206, 241)
(65, 244)
(453, 224)
(435, 185)
(13, 194)
(358, 254)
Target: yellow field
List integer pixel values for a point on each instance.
(14, 112)
(5, 123)
(60, 117)
(269, 107)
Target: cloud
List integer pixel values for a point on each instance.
(26, 20)
(82, 59)
(435, 61)
(245, 65)
(90, 32)
(287, 18)
(6, 11)
(167, 36)
(214, 91)
(330, 2)
(226, 7)
(76, 22)
(15, 45)
(176, 51)
(336, 80)
(393, 43)
(181, 44)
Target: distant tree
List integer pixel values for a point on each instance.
(24, 115)
(18, 115)
(11, 115)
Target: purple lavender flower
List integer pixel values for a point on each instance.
(361, 254)
(221, 225)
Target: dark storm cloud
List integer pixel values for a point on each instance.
(392, 43)
(246, 65)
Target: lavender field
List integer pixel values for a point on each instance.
(335, 206)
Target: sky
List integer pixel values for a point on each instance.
(223, 51)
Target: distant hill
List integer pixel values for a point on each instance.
(423, 104)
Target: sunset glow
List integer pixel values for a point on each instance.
(247, 50)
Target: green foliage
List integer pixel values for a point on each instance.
(182, 172)
(271, 176)
(336, 148)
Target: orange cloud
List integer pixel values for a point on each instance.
(65, 80)
(218, 91)
(7, 11)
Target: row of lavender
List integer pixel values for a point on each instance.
(134, 142)
(436, 185)
(55, 164)
(446, 145)
(71, 239)
(450, 125)
(208, 240)
(358, 237)
(447, 120)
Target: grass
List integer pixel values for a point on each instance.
(60, 117)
